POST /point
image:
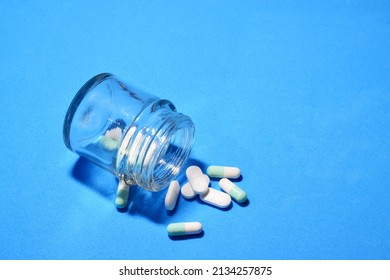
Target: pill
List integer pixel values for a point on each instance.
(216, 198)
(193, 172)
(108, 143)
(233, 190)
(199, 181)
(187, 228)
(172, 194)
(223, 171)
(110, 140)
(187, 191)
(114, 134)
(122, 195)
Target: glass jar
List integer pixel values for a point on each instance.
(138, 137)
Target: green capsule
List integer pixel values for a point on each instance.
(122, 195)
(176, 229)
(223, 171)
(233, 190)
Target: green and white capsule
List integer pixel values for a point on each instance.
(111, 139)
(108, 143)
(223, 171)
(122, 195)
(176, 229)
(233, 190)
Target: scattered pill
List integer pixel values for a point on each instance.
(216, 198)
(187, 191)
(176, 229)
(199, 181)
(223, 171)
(122, 195)
(172, 194)
(233, 190)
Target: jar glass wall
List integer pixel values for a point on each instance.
(136, 136)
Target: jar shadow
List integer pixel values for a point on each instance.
(141, 202)
(94, 177)
(151, 204)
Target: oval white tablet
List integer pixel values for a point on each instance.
(172, 194)
(216, 198)
(193, 171)
(200, 184)
(199, 181)
(187, 191)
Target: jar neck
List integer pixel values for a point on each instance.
(155, 147)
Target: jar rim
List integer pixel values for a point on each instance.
(183, 130)
(156, 150)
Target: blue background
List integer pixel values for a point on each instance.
(295, 93)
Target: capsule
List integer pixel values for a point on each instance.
(122, 195)
(114, 134)
(216, 198)
(187, 228)
(199, 181)
(172, 195)
(108, 143)
(110, 140)
(233, 190)
(187, 191)
(223, 171)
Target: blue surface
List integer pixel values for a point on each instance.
(296, 94)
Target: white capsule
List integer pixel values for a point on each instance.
(175, 229)
(187, 191)
(223, 171)
(172, 194)
(199, 181)
(216, 198)
(233, 190)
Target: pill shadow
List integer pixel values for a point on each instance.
(141, 202)
(151, 204)
(94, 177)
(243, 204)
(236, 180)
(186, 237)
(172, 212)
